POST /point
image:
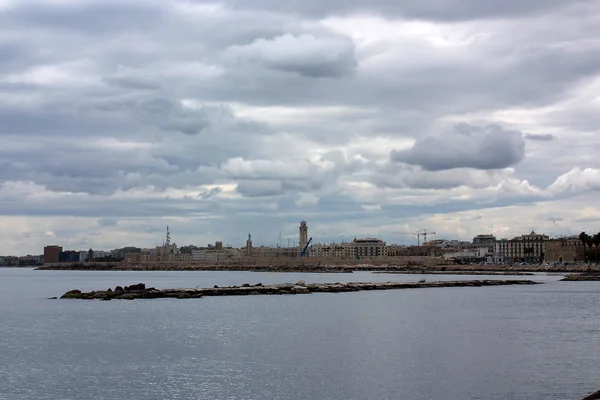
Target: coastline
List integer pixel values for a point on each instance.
(325, 268)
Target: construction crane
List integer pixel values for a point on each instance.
(305, 248)
(424, 234)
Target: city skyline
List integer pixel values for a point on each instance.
(297, 241)
(363, 118)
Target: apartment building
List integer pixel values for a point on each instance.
(526, 248)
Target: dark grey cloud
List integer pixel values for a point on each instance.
(544, 137)
(432, 9)
(85, 17)
(307, 55)
(131, 83)
(465, 146)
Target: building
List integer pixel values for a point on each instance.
(357, 249)
(101, 254)
(334, 250)
(199, 255)
(484, 240)
(303, 235)
(119, 254)
(52, 254)
(369, 247)
(563, 250)
(529, 248)
(68, 256)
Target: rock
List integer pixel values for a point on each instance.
(139, 286)
(301, 283)
(582, 277)
(52, 298)
(109, 290)
(215, 287)
(258, 285)
(245, 285)
(184, 295)
(285, 286)
(593, 396)
(119, 289)
(72, 294)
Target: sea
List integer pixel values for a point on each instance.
(492, 343)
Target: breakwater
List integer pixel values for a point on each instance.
(582, 277)
(140, 291)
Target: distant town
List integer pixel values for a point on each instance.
(529, 248)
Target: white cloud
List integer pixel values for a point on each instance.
(576, 181)
(307, 199)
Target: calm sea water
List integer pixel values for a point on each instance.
(499, 343)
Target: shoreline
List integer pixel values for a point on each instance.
(319, 268)
(475, 272)
(139, 291)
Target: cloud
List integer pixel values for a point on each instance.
(306, 55)
(466, 146)
(260, 188)
(107, 222)
(117, 118)
(307, 199)
(576, 181)
(545, 137)
(433, 9)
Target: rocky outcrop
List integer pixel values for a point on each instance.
(582, 277)
(593, 396)
(140, 291)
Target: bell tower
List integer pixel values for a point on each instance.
(303, 238)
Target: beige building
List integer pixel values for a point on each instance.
(334, 250)
(562, 250)
(527, 248)
(358, 248)
(369, 247)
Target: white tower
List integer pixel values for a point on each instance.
(303, 239)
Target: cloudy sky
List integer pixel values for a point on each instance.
(365, 118)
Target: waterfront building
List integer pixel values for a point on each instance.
(136, 257)
(484, 239)
(527, 248)
(369, 247)
(199, 255)
(52, 253)
(358, 248)
(562, 250)
(68, 256)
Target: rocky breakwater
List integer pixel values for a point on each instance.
(593, 396)
(593, 276)
(140, 291)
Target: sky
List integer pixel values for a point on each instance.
(364, 118)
